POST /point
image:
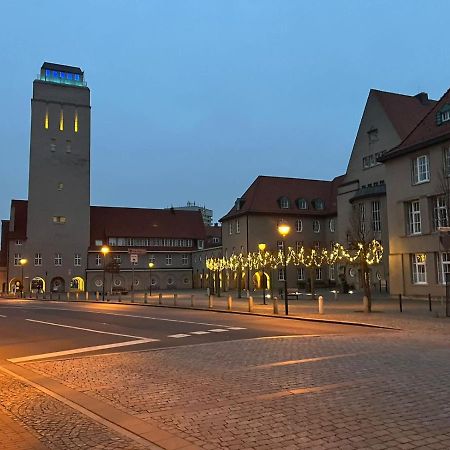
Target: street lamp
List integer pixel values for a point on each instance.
(262, 247)
(22, 262)
(105, 251)
(150, 267)
(283, 230)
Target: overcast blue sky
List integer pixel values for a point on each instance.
(191, 100)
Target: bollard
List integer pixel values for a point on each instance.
(208, 291)
(132, 296)
(229, 303)
(320, 300)
(51, 295)
(86, 296)
(250, 303)
(68, 296)
(366, 304)
(59, 297)
(192, 300)
(44, 296)
(400, 302)
(175, 296)
(160, 299)
(120, 297)
(335, 295)
(210, 301)
(429, 302)
(107, 296)
(145, 297)
(77, 296)
(97, 295)
(275, 305)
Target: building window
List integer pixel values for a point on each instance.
(75, 125)
(440, 213)
(362, 218)
(280, 245)
(53, 145)
(152, 259)
(230, 227)
(216, 240)
(238, 228)
(38, 259)
(298, 246)
(331, 272)
(420, 169)
(117, 259)
(58, 259)
(98, 259)
(300, 274)
(419, 268)
(302, 203)
(98, 242)
(284, 203)
(68, 146)
(444, 267)
(168, 260)
(61, 120)
(60, 186)
(447, 162)
(368, 161)
(200, 244)
(185, 259)
(77, 260)
(318, 203)
(59, 219)
(281, 274)
(332, 225)
(373, 135)
(298, 225)
(17, 258)
(376, 218)
(445, 116)
(19, 242)
(414, 222)
(46, 118)
(318, 273)
(316, 226)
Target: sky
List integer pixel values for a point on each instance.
(193, 99)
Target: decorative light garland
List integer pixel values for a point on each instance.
(372, 253)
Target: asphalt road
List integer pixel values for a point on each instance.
(32, 330)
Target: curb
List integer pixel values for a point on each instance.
(298, 318)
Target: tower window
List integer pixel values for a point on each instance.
(46, 119)
(61, 120)
(59, 219)
(75, 125)
(60, 186)
(53, 145)
(68, 146)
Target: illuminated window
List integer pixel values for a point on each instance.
(419, 268)
(75, 125)
(59, 219)
(17, 258)
(61, 120)
(60, 186)
(46, 119)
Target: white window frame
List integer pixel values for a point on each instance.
(444, 266)
(230, 227)
(17, 258)
(421, 169)
(280, 245)
(299, 225)
(284, 203)
(77, 260)
(414, 218)
(58, 260)
(238, 226)
(281, 274)
(184, 259)
(332, 225)
(376, 216)
(331, 272)
(152, 259)
(300, 274)
(362, 217)
(302, 203)
(19, 242)
(318, 273)
(38, 259)
(168, 259)
(419, 268)
(440, 212)
(445, 116)
(117, 259)
(98, 260)
(316, 229)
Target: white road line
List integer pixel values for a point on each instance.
(80, 350)
(236, 328)
(177, 336)
(199, 332)
(2, 315)
(218, 330)
(85, 329)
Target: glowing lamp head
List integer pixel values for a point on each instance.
(262, 247)
(284, 229)
(151, 265)
(105, 250)
(23, 261)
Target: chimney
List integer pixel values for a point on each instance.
(422, 97)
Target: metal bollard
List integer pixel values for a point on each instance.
(229, 303)
(275, 305)
(107, 296)
(68, 296)
(97, 295)
(429, 303)
(320, 300)
(210, 301)
(250, 303)
(145, 297)
(335, 294)
(192, 300)
(77, 296)
(59, 297)
(175, 296)
(132, 296)
(120, 297)
(366, 304)
(51, 295)
(400, 304)
(160, 299)
(86, 296)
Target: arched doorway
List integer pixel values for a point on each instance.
(38, 284)
(261, 282)
(15, 285)
(57, 285)
(77, 284)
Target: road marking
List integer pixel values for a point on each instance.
(218, 330)
(177, 336)
(85, 329)
(302, 361)
(236, 328)
(2, 315)
(80, 350)
(199, 332)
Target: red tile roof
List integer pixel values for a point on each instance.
(140, 222)
(262, 197)
(426, 132)
(404, 111)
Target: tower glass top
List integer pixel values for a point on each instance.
(60, 74)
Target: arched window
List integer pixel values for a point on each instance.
(299, 225)
(302, 203)
(316, 226)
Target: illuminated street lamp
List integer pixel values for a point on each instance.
(150, 267)
(105, 251)
(283, 230)
(262, 247)
(22, 263)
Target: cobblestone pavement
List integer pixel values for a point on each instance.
(382, 391)
(49, 423)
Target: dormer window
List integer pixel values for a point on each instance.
(302, 203)
(239, 203)
(318, 204)
(284, 203)
(443, 115)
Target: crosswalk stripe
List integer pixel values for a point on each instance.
(176, 336)
(236, 328)
(199, 332)
(218, 330)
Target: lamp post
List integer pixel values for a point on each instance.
(283, 230)
(150, 267)
(262, 247)
(22, 262)
(105, 251)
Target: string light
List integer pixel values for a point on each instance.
(371, 253)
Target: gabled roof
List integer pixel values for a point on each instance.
(404, 111)
(427, 131)
(263, 196)
(145, 223)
